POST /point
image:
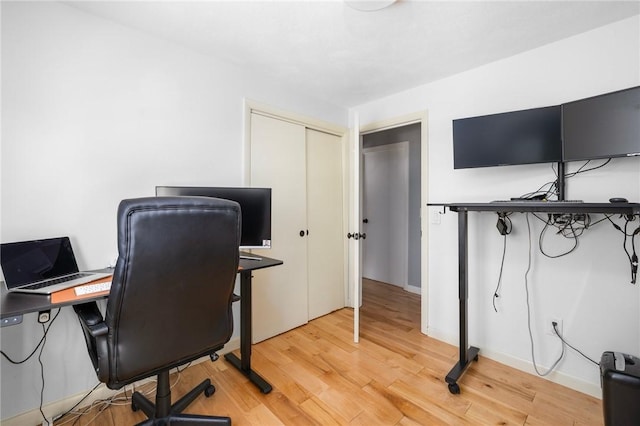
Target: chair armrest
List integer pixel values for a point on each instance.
(91, 319)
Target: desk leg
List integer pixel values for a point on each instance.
(467, 354)
(243, 364)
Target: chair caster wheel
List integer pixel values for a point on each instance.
(454, 388)
(134, 407)
(209, 390)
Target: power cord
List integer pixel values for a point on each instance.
(496, 293)
(526, 288)
(101, 405)
(76, 404)
(631, 255)
(504, 226)
(41, 342)
(553, 190)
(40, 345)
(565, 225)
(44, 332)
(555, 330)
(582, 169)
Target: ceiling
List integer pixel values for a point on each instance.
(333, 52)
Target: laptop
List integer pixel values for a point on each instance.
(42, 266)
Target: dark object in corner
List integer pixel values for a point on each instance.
(620, 379)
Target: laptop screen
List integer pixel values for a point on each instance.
(26, 262)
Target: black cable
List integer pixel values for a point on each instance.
(633, 256)
(496, 292)
(44, 333)
(580, 169)
(79, 402)
(37, 346)
(555, 330)
(541, 237)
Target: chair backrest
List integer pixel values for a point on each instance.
(170, 299)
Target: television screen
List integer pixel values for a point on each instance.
(255, 204)
(603, 126)
(518, 137)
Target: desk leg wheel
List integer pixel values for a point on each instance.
(209, 390)
(454, 388)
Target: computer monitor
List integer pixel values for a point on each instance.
(603, 126)
(517, 137)
(255, 204)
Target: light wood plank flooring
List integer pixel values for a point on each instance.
(394, 376)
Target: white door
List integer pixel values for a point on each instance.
(386, 210)
(278, 159)
(325, 210)
(355, 261)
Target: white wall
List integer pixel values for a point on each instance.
(589, 289)
(92, 113)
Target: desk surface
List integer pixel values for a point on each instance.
(13, 304)
(545, 206)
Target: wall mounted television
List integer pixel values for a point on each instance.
(517, 137)
(255, 204)
(604, 126)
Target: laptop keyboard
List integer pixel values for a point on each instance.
(54, 282)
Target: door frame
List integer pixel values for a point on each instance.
(390, 123)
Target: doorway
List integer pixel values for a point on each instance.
(391, 199)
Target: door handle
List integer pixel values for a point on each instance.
(356, 236)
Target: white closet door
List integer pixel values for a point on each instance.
(325, 210)
(280, 294)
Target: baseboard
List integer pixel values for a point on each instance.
(413, 289)
(55, 409)
(527, 366)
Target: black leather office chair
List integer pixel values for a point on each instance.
(170, 299)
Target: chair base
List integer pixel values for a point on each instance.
(164, 413)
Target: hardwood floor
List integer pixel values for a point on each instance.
(394, 376)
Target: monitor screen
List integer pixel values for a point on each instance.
(603, 126)
(518, 137)
(255, 204)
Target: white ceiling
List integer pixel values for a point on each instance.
(333, 52)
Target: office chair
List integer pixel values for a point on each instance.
(170, 298)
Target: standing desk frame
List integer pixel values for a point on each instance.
(470, 353)
(243, 364)
(14, 305)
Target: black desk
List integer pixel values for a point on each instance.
(17, 304)
(243, 364)
(468, 354)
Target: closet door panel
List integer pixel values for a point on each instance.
(280, 294)
(325, 210)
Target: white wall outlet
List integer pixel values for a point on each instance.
(549, 325)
